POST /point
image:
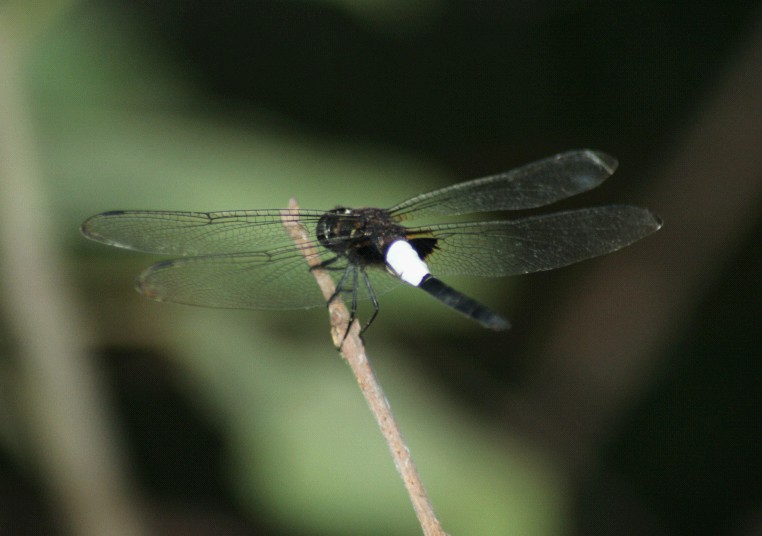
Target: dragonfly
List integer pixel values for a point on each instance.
(246, 259)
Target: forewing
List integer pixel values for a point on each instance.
(533, 185)
(534, 244)
(196, 233)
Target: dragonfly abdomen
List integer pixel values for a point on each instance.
(463, 304)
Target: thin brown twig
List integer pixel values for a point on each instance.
(353, 351)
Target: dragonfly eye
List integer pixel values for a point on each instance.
(325, 230)
(336, 227)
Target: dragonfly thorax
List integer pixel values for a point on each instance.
(363, 235)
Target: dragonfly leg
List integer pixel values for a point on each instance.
(341, 287)
(326, 264)
(340, 284)
(353, 304)
(373, 300)
(353, 310)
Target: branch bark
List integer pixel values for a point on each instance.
(353, 351)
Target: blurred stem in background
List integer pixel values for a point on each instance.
(64, 413)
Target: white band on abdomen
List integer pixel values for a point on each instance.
(404, 261)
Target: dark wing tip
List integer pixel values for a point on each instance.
(603, 160)
(84, 230)
(657, 221)
(87, 227)
(586, 168)
(648, 219)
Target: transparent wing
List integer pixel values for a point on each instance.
(534, 244)
(534, 185)
(278, 279)
(196, 233)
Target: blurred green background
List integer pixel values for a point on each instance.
(625, 399)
